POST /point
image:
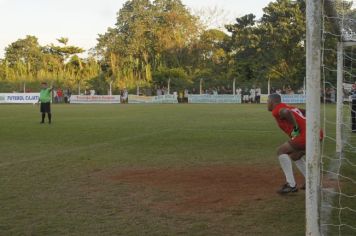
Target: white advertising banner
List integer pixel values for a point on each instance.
(162, 99)
(167, 99)
(96, 99)
(134, 99)
(19, 98)
(206, 98)
(293, 98)
(287, 98)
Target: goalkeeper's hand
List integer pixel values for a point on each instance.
(295, 133)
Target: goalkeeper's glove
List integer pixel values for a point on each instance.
(295, 132)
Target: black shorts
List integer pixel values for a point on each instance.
(45, 107)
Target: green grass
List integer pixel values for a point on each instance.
(54, 178)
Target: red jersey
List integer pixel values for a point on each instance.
(284, 124)
(59, 93)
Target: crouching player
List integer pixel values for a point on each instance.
(293, 122)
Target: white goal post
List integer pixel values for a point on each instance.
(314, 25)
(313, 79)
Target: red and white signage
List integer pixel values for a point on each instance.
(96, 99)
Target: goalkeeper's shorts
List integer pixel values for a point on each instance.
(299, 142)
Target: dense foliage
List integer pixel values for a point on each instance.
(154, 42)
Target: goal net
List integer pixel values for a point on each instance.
(338, 148)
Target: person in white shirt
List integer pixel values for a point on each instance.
(238, 91)
(252, 95)
(258, 95)
(125, 96)
(55, 95)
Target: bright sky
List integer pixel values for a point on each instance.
(82, 20)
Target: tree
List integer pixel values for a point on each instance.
(63, 40)
(272, 47)
(210, 58)
(147, 37)
(177, 76)
(81, 71)
(176, 29)
(25, 55)
(245, 48)
(283, 36)
(125, 50)
(64, 52)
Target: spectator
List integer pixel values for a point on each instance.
(125, 96)
(67, 94)
(289, 90)
(55, 95)
(59, 95)
(332, 95)
(353, 108)
(252, 95)
(245, 95)
(186, 93)
(258, 95)
(353, 89)
(180, 96)
(238, 91)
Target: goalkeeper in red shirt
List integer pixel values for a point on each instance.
(293, 122)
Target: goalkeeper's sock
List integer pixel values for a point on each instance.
(49, 118)
(43, 117)
(301, 166)
(287, 168)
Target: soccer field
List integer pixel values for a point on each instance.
(144, 170)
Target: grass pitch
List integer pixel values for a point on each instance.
(143, 170)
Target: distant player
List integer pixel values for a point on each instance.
(45, 100)
(293, 122)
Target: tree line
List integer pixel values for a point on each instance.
(154, 42)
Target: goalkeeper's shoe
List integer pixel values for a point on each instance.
(287, 189)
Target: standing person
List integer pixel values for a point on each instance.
(59, 95)
(293, 122)
(246, 95)
(55, 95)
(45, 100)
(252, 95)
(238, 91)
(353, 108)
(126, 96)
(186, 94)
(258, 95)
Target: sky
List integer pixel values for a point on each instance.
(82, 20)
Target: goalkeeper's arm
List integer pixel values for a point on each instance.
(288, 115)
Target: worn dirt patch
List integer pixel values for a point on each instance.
(206, 188)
